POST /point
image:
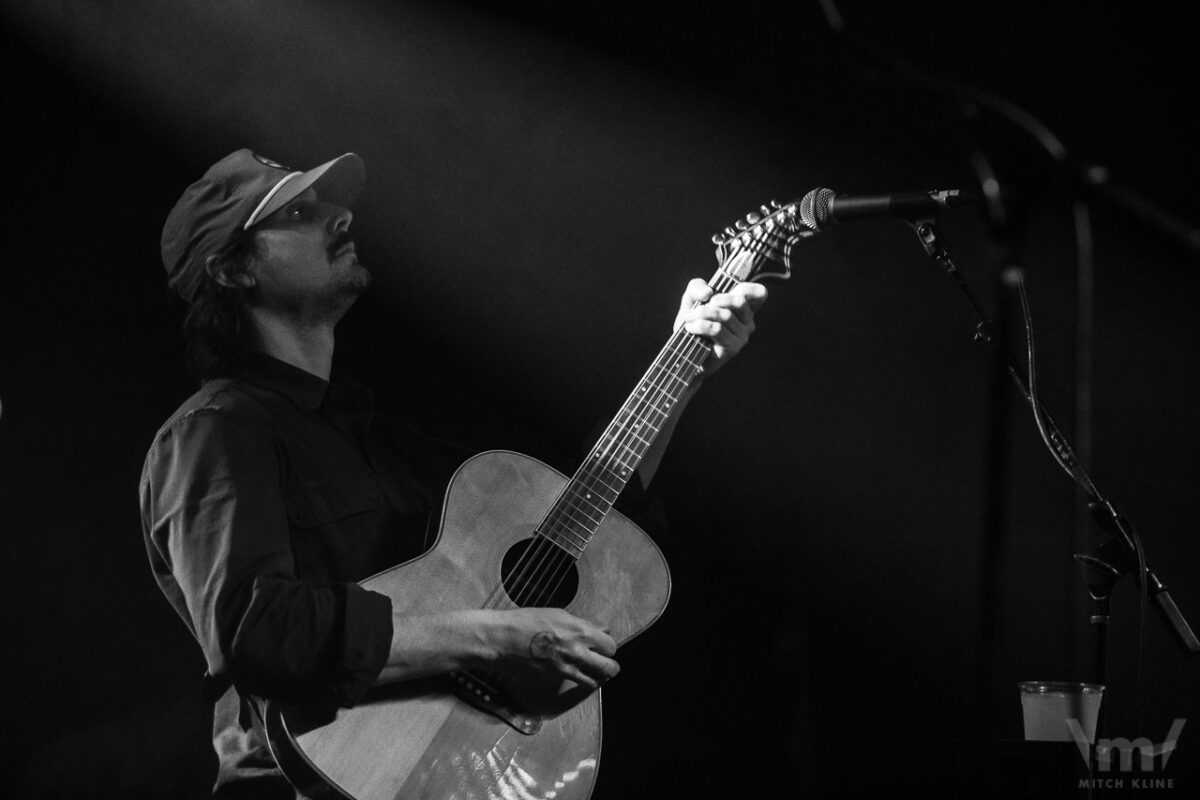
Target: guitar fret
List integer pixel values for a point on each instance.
(567, 539)
(632, 422)
(598, 480)
(636, 424)
(627, 447)
(612, 463)
(568, 534)
(638, 436)
(566, 513)
(581, 512)
(588, 499)
(588, 490)
(590, 494)
(570, 548)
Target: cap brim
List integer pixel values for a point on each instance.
(339, 181)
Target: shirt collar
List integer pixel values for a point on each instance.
(305, 389)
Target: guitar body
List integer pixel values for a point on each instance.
(513, 527)
(422, 738)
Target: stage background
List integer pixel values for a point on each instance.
(861, 574)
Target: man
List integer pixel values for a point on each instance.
(275, 488)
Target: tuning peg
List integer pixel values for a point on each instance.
(753, 218)
(775, 205)
(730, 232)
(766, 211)
(718, 239)
(741, 225)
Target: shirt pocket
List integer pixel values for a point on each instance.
(333, 525)
(311, 506)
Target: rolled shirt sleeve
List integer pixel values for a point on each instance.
(220, 544)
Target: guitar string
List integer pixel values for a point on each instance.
(557, 520)
(625, 449)
(560, 561)
(684, 352)
(600, 463)
(694, 347)
(571, 506)
(624, 434)
(594, 471)
(603, 462)
(552, 524)
(568, 509)
(570, 500)
(625, 441)
(677, 359)
(673, 356)
(669, 366)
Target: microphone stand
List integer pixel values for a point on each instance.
(1122, 553)
(1095, 178)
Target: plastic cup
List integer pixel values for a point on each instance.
(1048, 705)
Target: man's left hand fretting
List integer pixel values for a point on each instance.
(726, 318)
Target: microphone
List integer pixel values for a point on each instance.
(821, 208)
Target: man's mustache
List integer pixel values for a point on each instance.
(343, 239)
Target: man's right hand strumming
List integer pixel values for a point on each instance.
(546, 640)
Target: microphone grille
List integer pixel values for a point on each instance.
(814, 208)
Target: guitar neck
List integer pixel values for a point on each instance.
(595, 486)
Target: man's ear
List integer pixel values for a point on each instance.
(219, 272)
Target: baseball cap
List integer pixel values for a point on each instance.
(235, 194)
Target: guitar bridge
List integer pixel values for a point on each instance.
(485, 693)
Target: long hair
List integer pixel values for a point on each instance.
(215, 325)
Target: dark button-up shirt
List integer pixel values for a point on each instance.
(265, 498)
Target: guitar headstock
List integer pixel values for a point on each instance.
(756, 247)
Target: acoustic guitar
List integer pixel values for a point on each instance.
(517, 533)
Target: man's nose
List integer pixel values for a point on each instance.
(339, 218)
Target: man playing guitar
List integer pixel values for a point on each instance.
(275, 489)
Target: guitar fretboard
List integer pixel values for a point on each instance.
(590, 494)
(574, 517)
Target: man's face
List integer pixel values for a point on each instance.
(309, 265)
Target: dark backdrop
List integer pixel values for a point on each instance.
(869, 544)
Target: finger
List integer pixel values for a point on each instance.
(742, 321)
(755, 293)
(710, 311)
(579, 676)
(743, 301)
(593, 636)
(597, 667)
(722, 325)
(605, 644)
(704, 327)
(697, 291)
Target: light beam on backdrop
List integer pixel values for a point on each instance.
(538, 208)
(505, 168)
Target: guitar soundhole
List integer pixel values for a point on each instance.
(537, 573)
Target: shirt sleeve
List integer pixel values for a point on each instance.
(215, 519)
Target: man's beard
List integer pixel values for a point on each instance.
(360, 278)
